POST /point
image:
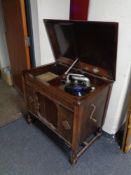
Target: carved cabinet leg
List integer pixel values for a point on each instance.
(99, 132)
(29, 118)
(73, 158)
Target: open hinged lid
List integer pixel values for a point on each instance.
(94, 43)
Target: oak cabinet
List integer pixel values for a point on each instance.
(76, 120)
(87, 50)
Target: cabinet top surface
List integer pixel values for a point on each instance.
(49, 80)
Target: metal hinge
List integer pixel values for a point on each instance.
(27, 41)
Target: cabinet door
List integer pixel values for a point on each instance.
(65, 123)
(46, 109)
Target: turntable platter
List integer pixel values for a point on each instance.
(77, 89)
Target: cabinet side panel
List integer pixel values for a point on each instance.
(92, 115)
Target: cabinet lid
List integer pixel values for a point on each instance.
(94, 43)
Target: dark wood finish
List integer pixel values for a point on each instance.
(126, 145)
(93, 43)
(16, 35)
(76, 120)
(79, 9)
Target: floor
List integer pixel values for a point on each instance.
(26, 150)
(11, 104)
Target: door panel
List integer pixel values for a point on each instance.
(16, 34)
(127, 133)
(65, 123)
(47, 109)
(126, 145)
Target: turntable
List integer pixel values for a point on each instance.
(70, 96)
(77, 84)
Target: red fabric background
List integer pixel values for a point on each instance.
(79, 9)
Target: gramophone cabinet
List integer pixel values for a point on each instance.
(77, 120)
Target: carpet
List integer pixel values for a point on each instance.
(27, 150)
(11, 104)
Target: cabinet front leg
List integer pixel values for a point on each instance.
(73, 158)
(29, 118)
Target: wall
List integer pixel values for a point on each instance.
(118, 11)
(35, 26)
(41, 9)
(4, 58)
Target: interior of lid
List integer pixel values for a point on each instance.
(94, 43)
